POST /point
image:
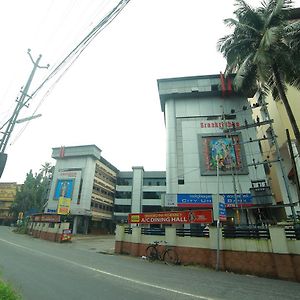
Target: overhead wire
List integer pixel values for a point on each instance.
(86, 41)
(73, 56)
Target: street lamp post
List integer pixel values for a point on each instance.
(218, 215)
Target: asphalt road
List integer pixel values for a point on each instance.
(43, 270)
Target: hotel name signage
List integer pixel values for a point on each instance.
(225, 124)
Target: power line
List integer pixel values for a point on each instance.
(86, 41)
(73, 56)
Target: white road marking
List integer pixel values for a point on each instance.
(110, 274)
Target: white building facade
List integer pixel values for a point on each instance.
(82, 175)
(209, 132)
(139, 191)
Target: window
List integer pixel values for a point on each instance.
(151, 195)
(151, 208)
(122, 208)
(180, 181)
(154, 181)
(123, 195)
(214, 87)
(124, 181)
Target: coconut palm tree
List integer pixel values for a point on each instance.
(46, 168)
(263, 50)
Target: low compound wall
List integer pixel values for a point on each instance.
(49, 231)
(277, 257)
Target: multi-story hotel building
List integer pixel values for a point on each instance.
(211, 131)
(82, 175)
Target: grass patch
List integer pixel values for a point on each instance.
(7, 292)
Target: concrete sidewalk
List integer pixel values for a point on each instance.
(97, 243)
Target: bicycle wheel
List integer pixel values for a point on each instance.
(170, 257)
(151, 253)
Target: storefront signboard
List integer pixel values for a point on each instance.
(174, 217)
(205, 200)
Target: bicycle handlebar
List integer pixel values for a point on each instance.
(159, 242)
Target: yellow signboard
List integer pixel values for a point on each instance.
(63, 206)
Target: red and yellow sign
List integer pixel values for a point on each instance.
(63, 206)
(172, 217)
(46, 218)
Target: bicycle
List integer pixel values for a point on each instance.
(168, 254)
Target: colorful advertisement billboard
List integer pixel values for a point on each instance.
(227, 150)
(173, 217)
(64, 188)
(63, 207)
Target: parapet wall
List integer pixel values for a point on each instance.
(48, 231)
(277, 257)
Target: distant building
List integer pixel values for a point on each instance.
(208, 125)
(281, 122)
(8, 192)
(82, 175)
(139, 191)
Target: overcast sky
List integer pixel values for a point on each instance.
(109, 96)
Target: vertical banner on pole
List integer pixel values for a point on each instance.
(222, 211)
(215, 201)
(219, 208)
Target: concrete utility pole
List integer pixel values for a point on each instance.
(23, 101)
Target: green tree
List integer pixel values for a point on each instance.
(32, 194)
(263, 50)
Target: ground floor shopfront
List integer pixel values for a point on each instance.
(88, 225)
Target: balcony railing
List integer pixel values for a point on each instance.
(153, 231)
(128, 230)
(246, 233)
(192, 232)
(292, 233)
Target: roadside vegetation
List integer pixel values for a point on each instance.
(7, 292)
(32, 195)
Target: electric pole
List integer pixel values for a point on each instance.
(21, 102)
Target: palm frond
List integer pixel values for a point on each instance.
(292, 34)
(269, 38)
(262, 38)
(240, 26)
(246, 81)
(275, 12)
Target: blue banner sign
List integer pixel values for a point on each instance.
(242, 200)
(194, 200)
(205, 200)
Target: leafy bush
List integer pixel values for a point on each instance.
(7, 292)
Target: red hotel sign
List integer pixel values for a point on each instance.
(172, 217)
